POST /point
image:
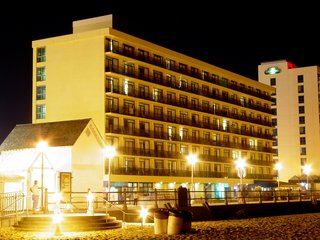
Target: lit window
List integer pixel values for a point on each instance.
(41, 111)
(41, 54)
(41, 73)
(41, 92)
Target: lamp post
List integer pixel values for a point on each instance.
(110, 152)
(241, 168)
(42, 146)
(192, 159)
(306, 170)
(278, 167)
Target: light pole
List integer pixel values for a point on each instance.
(192, 159)
(42, 146)
(241, 168)
(110, 152)
(306, 170)
(278, 167)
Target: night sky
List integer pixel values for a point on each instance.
(234, 36)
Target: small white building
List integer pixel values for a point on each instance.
(73, 160)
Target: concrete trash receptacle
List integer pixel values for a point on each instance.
(187, 220)
(161, 221)
(175, 222)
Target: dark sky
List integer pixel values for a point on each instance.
(236, 36)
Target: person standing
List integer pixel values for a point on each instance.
(135, 198)
(35, 196)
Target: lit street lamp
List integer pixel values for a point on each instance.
(110, 152)
(192, 159)
(306, 170)
(42, 146)
(241, 168)
(278, 166)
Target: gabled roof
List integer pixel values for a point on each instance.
(63, 133)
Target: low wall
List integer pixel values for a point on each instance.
(234, 211)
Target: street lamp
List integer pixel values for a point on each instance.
(192, 159)
(241, 168)
(278, 166)
(42, 146)
(306, 170)
(110, 152)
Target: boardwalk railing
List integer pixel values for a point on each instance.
(158, 198)
(17, 203)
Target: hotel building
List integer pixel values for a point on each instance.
(156, 106)
(297, 128)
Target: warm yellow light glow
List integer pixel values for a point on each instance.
(278, 166)
(143, 212)
(307, 169)
(192, 158)
(241, 163)
(57, 197)
(110, 151)
(42, 146)
(57, 218)
(143, 215)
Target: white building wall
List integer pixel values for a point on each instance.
(288, 116)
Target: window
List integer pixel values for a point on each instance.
(301, 99)
(301, 109)
(143, 55)
(275, 132)
(41, 54)
(302, 130)
(41, 111)
(171, 115)
(129, 164)
(157, 59)
(205, 75)
(157, 95)
(300, 78)
(128, 50)
(41, 92)
(172, 166)
(302, 120)
(272, 81)
(41, 73)
(183, 68)
(300, 89)
(303, 161)
(302, 141)
(274, 122)
(303, 151)
(171, 132)
(157, 76)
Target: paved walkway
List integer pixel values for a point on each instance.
(298, 227)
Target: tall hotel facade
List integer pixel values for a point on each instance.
(297, 118)
(155, 106)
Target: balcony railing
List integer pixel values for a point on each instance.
(177, 85)
(211, 79)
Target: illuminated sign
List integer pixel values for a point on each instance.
(272, 70)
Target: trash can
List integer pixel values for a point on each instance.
(161, 221)
(187, 220)
(175, 222)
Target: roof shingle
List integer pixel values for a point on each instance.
(62, 133)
